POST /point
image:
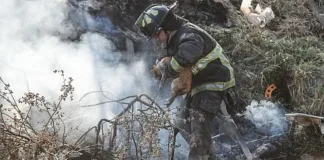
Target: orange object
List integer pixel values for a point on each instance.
(269, 90)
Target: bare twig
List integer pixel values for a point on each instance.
(98, 131)
(85, 134)
(18, 135)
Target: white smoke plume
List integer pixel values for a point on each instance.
(268, 117)
(31, 48)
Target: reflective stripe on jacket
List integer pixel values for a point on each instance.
(216, 53)
(192, 47)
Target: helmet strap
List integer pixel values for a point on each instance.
(167, 42)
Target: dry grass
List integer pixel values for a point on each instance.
(23, 138)
(288, 52)
(132, 134)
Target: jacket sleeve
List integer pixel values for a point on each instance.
(190, 49)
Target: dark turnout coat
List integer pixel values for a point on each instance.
(191, 46)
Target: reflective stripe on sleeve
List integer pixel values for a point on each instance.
(175, 65)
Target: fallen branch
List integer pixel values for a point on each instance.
(17, 135)
(98, 131)
(150, 120)
(306, 120)
(146, 122)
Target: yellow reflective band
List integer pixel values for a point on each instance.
(226, 63)
(175, 65)
(217, 86)
(202, 63)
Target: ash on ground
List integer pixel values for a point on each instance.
(263, 127)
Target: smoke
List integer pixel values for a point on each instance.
(268, 117)
(33, 44)
(32, 47)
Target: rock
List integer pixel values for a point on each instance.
(258, 16)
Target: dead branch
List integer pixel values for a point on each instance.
(13, 102)
(67, 90)
(16, 134)
(142, 127)
(144, 115)
(111, 101)
(16, 129)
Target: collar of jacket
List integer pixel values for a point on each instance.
(170, 35)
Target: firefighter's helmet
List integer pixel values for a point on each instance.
(149, 22)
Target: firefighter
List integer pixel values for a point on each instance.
(212, 75)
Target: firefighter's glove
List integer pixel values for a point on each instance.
(160, 67)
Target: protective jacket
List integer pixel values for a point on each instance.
(191, 46)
